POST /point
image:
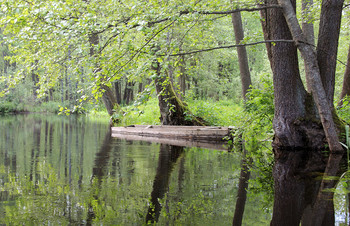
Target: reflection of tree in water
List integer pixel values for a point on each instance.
(98, 172)
(168, 156)
(297, 188)
(242, 190)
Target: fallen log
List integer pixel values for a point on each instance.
(191, 136)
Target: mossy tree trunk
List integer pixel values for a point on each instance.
(173, 111)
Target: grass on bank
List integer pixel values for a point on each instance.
(216, 113)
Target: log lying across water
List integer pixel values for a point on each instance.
(190, 136)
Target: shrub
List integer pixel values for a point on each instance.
(8, 107)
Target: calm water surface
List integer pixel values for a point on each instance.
(68, 170)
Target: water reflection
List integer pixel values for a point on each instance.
(168, 156)
(60, 171)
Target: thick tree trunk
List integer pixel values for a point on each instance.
(242, 53)
(327, 45)
(292, 168)
(172, 110)
(290, 97)
(346, 82)
(319, 93)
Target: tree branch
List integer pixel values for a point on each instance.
(228, 47)
(143, 46)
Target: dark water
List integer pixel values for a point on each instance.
(69, 171)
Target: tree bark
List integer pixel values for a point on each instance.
(128, 92)
(118, 91)
(172, 110)
(290, 97)
(246, 83)
(308, 28)
(327, 45)
(318, 90)
(307, 24)
(320, 213)
(242, 54)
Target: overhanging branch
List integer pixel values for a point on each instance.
(228, 47)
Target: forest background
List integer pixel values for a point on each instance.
(72, 56)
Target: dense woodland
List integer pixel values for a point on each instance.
(289, 75)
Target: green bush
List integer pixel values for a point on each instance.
(216, 113)
(8, 107)
(344, 110)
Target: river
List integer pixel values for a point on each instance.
(58, 170)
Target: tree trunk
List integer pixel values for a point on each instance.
(246, 83)
(108, 99)
(299, 137)
(307, 24)
(242, 53)
(290, 96)
(346, 82)
(172, 110)
(327, 45)
(308, 28)
(140, 89)
(118, 91)
(107, 94)
(182, 78)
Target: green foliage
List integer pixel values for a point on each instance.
(7, 107)
(344, 110)
(255, 133)
(216, 113)
(139, 114)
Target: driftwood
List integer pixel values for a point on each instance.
(189, 136)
